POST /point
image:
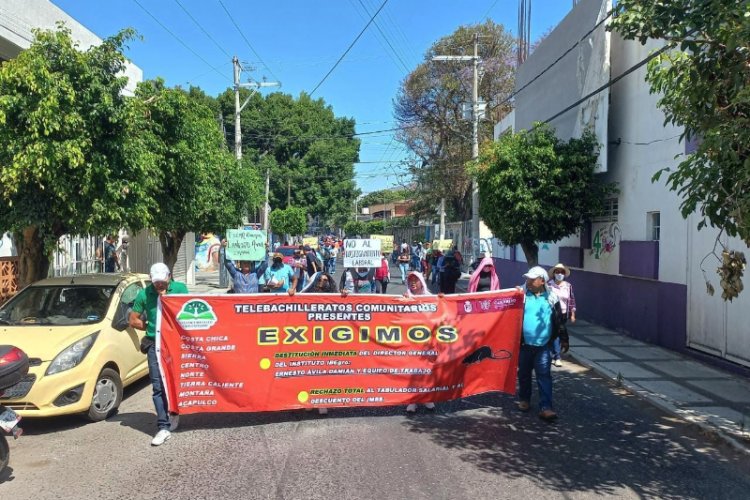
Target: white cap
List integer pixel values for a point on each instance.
(536, 272)
(159, 272)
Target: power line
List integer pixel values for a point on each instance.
(398, 56)
(612, 81)
(178, 39)
(202, 29)
(525, 86)
(248, 41)
(348, 48)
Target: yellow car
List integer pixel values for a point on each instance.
(81, 350)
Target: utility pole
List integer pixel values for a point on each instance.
(254, 86)
(442, 218)
(266, 206)
(475, 112)
(288, 192)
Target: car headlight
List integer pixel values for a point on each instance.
(72, 355)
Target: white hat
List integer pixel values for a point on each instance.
(536, 272)
(159, 272)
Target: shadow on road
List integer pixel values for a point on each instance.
(604, 442)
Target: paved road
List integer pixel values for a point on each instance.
(605, 443)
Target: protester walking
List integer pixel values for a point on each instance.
(564, 291)
(542, 320)
(143, 317)
(360, 280)
(279, 277)
(417, 287)
(450, 272)
(383, 275)
(403, 263)
(484, 278)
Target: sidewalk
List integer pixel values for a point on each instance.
(717, 401)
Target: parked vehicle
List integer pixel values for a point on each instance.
(81, 350)
(14, 365)
(288, 253)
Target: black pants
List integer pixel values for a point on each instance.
(381, 286)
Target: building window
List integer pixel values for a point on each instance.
(653, 225)
(609, 212)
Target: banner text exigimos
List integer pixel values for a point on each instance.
(235, 353)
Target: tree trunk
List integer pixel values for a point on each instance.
(531, 251)
(33, 261)
(170, 246)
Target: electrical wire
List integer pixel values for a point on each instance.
(348, 48)
(385, 38)
(247, 41)
(202, 28)
(179, 39)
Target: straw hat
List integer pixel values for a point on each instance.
(560, 265)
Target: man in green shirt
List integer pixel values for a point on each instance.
(146, 304)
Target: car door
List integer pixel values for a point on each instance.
(134, 362)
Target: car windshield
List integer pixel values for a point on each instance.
(57, 305)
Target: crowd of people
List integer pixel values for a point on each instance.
(548, 305)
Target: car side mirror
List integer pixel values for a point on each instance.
(122, 317)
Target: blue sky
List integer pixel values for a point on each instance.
(297, 42)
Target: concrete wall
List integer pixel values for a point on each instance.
(19, 17)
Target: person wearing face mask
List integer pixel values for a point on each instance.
(484, 278)
(564, 291)
(280, 277)
(417, 287)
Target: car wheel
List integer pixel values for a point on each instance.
(107, 395)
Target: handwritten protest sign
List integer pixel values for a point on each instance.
(311, 241)
(362, 253)
(442, 245)
(386, 242)
(246, 245)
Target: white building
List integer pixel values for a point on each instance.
(19, 17)
(637, 268)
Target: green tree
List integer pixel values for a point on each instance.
(201, 187)
(428, 109)
(71, 158)
(536, 188)
(355, 228)
(375, 226)
(703, 87)
(384, 196)
(291, 221)
(314, 151)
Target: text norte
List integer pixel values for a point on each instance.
(345, 334)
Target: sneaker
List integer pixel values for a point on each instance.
(547, 415)
(174, 422)
(557, 362)
(523, 405)
(322, 411)
(412, 408)
(160, 437)
(429, 406)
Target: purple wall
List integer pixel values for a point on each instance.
(639, 259)
(648, 310)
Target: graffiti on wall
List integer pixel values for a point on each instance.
(605, 240)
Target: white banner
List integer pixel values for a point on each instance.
(362, 253)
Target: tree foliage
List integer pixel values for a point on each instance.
(429, 113)
(703, 84)
(200, 186)
(355, 228)
(314, 151)
(375, 226)
(291, 220)
(536, 188)
(71, 158)
(383, 196)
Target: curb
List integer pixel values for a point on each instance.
(662, 404)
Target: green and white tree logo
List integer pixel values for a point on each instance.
(196, 315)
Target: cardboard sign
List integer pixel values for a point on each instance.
(362, 253)
(266, 352)
(312, 241)
(442, 245)
(386, 242)
(246, 245)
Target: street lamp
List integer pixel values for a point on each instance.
(475, 112)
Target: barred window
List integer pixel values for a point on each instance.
(609, 212)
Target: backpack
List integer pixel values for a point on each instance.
(312, 258)
(326, 253)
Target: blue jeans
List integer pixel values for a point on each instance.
(404, 266)
(538, 359)
(159, 395)
(330, 266)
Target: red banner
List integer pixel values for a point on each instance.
(247, 353)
